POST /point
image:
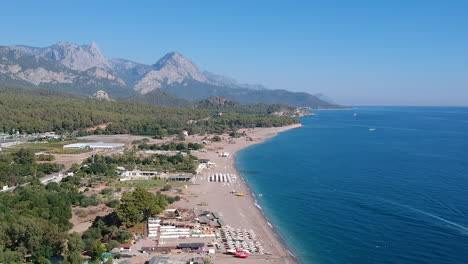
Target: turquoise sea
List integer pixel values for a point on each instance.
(338, 192)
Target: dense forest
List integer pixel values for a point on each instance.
(105, 165)
(21, 167)
(34, 223)
(221, 104)
(34, 218)
(32, 113)
(172, 146)
(159, 97)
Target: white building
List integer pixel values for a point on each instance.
(94, 145)
(173, 232)
(154, 224)
(138, 175)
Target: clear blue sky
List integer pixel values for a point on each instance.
(386, 52)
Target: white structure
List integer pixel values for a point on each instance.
(154, 224)
(50, 135)
(95, 145)
(203, 166)
(173, 232)
(138, 175)
(222, 177)
(225, 154)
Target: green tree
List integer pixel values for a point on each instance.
(43, 260)
(139, 205)
(112, 244)
(181, 136)
(128, 211)
(25, 156)
(75, 243)
(98, 249)
(75, 167)
(73, 258)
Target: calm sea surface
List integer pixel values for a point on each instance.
(341, 193)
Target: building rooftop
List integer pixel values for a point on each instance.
(94, 145)
(216, 215)
(181, 177)
(191, 245)
(165, 260)
(126, 245)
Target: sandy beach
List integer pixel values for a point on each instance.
(237, 212)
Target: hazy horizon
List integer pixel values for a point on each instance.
(361, 53)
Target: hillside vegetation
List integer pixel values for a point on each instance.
(29, 112)
(221, 104)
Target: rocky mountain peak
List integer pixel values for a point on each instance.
(170, 69)
(64, 43)
(176, 62)
(84, 69)
(76, 57)
(93, 46)
(174, 59)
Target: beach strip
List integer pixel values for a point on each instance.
(240, 212)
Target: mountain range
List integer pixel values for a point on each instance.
(174, 79)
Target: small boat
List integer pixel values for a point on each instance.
(237, 251)
(354, 114)
(240, 194)
(242, 255)
(371, 129)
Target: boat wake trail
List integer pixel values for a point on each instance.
(465, 229)
(462, 229)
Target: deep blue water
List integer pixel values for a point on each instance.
(340, 193)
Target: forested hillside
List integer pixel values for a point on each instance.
(193, 90)
(159, 97)
(31, 113)
(221, 104)
(19, 89)
(34, 221)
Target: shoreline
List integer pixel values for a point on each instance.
(239, 212)
(275, 230)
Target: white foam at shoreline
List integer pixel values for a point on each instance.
(258, 206)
